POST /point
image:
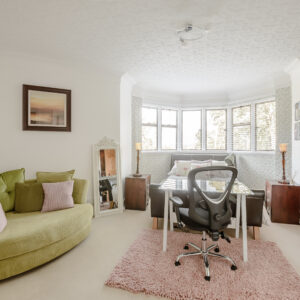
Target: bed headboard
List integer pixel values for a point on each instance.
(197, 156)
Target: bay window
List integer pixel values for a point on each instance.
(149, 128)
(252, 127)
(191, 130)
(265, 124)
(168, 129)
(241, 128)
(216, 126)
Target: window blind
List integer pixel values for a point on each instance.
(241, 128)
(265, 125)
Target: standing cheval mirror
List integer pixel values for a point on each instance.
(107, 178)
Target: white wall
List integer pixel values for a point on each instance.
(125, 124)
(295, 81)
(95, 113)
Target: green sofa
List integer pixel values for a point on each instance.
(34, 238)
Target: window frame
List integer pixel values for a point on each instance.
(256, 127)
(226, 129)
(150, 125)
(201, 128)
(241, 124)
(229, 126)
(169, 126)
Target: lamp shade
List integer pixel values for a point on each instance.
(282, 147)
(138, 146)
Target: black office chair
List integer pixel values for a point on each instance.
(207, 212)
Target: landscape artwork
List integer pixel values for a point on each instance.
(46, 109)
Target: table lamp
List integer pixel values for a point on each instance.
(138, 148)
(283, 148)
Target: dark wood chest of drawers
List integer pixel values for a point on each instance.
(137, 192)
(283, 202)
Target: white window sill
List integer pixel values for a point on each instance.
(206, 152)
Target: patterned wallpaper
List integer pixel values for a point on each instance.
(284, 130)
(254, 168)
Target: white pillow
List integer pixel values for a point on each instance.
(3, 220)
(173, 170)
(218, 163)
(200, 164)
(183, 167)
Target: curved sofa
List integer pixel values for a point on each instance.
(32, 239)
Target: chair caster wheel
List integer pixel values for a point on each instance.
(207, 278)
(217, 249)
(186, 247)
(233, 267)
(177, 263)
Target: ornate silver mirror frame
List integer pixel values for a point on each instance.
(99, 176)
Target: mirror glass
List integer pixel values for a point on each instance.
(108, 183)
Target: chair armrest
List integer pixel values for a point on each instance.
(176, 201)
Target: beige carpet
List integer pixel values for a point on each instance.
(80, 274)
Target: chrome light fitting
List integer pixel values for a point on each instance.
(191, 33)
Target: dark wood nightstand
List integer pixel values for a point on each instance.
(283, 202)
(137, 192)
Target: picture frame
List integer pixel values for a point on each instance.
(297, 131)
(46, 108)
(297, 111)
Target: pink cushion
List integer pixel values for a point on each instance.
(58, 196)
(3, 221)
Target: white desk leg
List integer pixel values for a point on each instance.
(171, 213)
(237, 216)
(166, 214)
(244, 226)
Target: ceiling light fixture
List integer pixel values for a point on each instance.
(191, 33)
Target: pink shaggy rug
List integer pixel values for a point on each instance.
(146, 269)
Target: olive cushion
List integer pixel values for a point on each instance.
(8, 181)
(50, 177)
(29, 197)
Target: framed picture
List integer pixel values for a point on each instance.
(297, 111)
(297, 131)
(46, 109)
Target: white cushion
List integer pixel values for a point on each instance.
(183, 167)
(3, 220)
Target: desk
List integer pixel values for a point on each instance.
(172, 184)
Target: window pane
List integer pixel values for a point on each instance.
(169, 117)
(149, 137)
(241, 115)
(241, 138)
(168, 138)
(149, 115)
(216, 129)
(191, 130)
(265, 126)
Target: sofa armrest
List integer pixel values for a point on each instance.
(80, 191)
(157, 197)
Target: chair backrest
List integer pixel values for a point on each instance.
(218, 206)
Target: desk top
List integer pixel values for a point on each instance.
(173, 183)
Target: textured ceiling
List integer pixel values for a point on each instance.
(248, 40)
